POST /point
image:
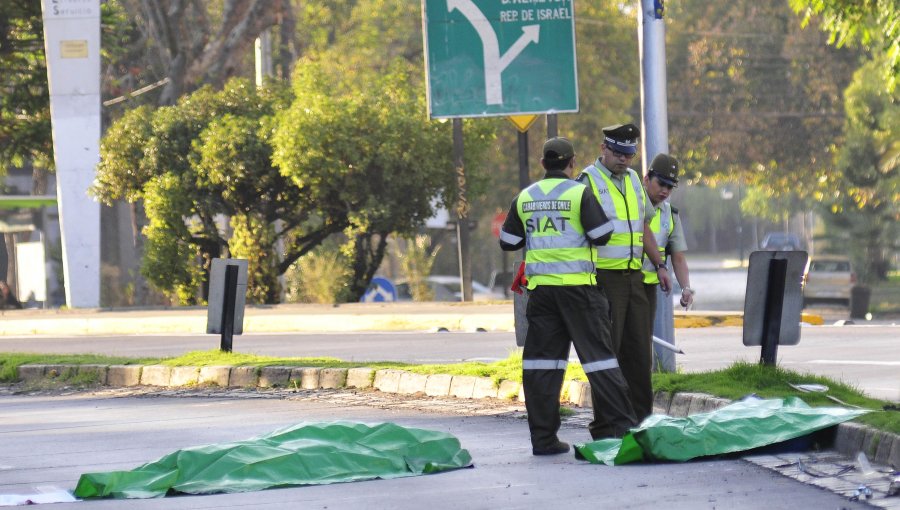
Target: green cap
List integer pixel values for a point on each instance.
(664, 168)
(558, 148)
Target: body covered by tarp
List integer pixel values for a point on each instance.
(304, 454)
(740, 426)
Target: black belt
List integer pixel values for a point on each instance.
(620, 271)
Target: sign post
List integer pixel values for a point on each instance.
(773, 302)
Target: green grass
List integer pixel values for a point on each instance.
(9, 362)
(742, 379)
(734, 382)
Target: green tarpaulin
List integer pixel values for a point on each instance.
(305, 454)
(740, 426)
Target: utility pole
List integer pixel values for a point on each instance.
(655, 124)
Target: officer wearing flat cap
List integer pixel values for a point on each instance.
(661, 179)
(557, 220)
(619, 190)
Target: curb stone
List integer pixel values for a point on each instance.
(850, 438)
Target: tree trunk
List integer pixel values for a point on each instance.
(366, 260)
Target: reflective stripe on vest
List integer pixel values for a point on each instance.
(626, 212)
(557, 251)
(662, 226)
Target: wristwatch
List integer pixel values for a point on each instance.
(661, 266)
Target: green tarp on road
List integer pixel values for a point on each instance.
(737, 427)
(305, 454)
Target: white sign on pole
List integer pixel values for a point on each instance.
(72, 46)
(31, 274)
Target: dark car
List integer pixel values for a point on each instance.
(781, 241)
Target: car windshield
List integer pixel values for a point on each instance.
(830, 266)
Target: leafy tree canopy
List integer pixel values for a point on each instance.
(861, 195)
(372, 158)
(873, 23)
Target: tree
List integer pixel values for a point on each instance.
(193, 43)
(861, 196)
(754, 99)
(869, 22)
(205, 158)
(24, 97)
(371, 158)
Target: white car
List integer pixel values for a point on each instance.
(828, 278)
(446, 288)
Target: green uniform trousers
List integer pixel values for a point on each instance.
(558, 317)
(632, 330)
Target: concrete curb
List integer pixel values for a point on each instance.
(850, 439)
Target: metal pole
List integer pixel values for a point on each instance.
(231, 278)
(552, 129)
(462, 214)
(655, 135)
(524, 172)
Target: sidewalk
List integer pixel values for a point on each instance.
(494, 316)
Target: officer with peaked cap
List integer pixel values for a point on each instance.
(621, 194)
(557, 220)
(661, 179)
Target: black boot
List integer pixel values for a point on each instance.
(551, 449)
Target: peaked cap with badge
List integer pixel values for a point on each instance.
(665, 168)
(622, 137)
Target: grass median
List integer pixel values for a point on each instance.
(738, 380)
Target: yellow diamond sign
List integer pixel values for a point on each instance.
(522, 122)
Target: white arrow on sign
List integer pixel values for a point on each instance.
(494, 64)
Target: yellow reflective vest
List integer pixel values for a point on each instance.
(626, 212)
(557, 251)
(662, 225)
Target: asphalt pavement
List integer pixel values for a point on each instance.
(49, 440)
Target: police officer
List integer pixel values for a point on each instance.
(557, 220)
(619, 190)
(661, 179)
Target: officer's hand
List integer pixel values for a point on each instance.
(687, 297)
(665, 282)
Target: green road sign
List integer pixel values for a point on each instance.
(500, 57)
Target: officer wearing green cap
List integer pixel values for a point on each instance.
(661, 179)
(557, 220)
(621, 194)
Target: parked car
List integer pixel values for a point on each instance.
(446, 288)
(781, 241)
(828, 278)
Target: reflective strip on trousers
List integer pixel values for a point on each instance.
(604, 364)
(544, 364)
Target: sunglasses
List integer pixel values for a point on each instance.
(620, 154)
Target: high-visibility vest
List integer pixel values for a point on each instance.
(662, 225)
(557, 251)
(626, 212)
